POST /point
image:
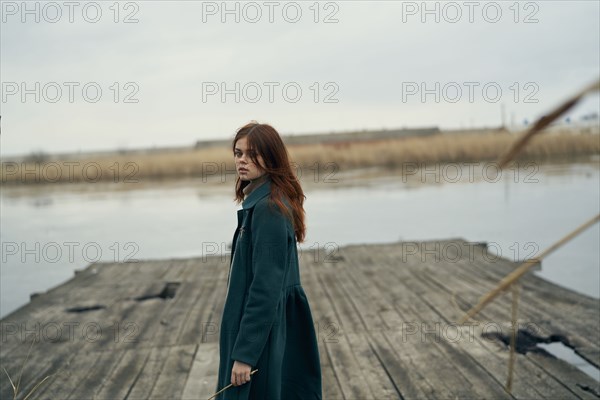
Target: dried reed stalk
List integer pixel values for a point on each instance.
(543, 122)
(228, 386)
(522, 269)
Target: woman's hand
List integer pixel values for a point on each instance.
(240, 373)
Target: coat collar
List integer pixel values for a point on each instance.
(257, 194)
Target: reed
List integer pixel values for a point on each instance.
(391, 153)
(16, 386)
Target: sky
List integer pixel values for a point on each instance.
(94, 76)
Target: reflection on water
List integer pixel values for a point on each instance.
(47, 232)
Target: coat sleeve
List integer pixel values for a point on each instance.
(269, 265)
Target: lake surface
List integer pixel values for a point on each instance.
(48, 232)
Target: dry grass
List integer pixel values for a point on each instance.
(16, 386)
(445, 148)
(442, 148)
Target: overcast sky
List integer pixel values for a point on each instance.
(157, 79)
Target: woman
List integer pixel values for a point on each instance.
(267, 322)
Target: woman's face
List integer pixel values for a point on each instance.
(244, 165)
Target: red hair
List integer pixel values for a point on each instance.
(265, 141)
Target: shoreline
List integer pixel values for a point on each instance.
(348, 178)
(318, 159)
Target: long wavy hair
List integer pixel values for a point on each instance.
(264, 140)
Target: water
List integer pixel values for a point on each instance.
(559, 350)
(48, 232)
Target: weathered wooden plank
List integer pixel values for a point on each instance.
(539, 299)
(202, 379)
(68, 376)
(546, 386)
(200, 324)
(122, 378)
(94, 329)
(171, 320)
(150, 373)
(171, 381)
(331, 320)
(348, 317)
(481, 380)
(365, 299)
(327, 330)
(573, 379)
(380, 384)
(204, 320)
(364, 306)
(97, 374)
(331, 386)
(549, 317)
(415, 317)
(409, 380)
(326, 321)
(36, 369)
(526, 374)
(347, 370)
(361, 279)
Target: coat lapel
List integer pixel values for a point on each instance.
(257, 194)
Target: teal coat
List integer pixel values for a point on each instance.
(267, 321)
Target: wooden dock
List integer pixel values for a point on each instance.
(384, 315)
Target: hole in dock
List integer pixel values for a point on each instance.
(86, 308)
(556, 346)
(592, 390)
(559, 350)
(168, 292)
(526, 341)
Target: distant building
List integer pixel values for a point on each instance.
(351, 136)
